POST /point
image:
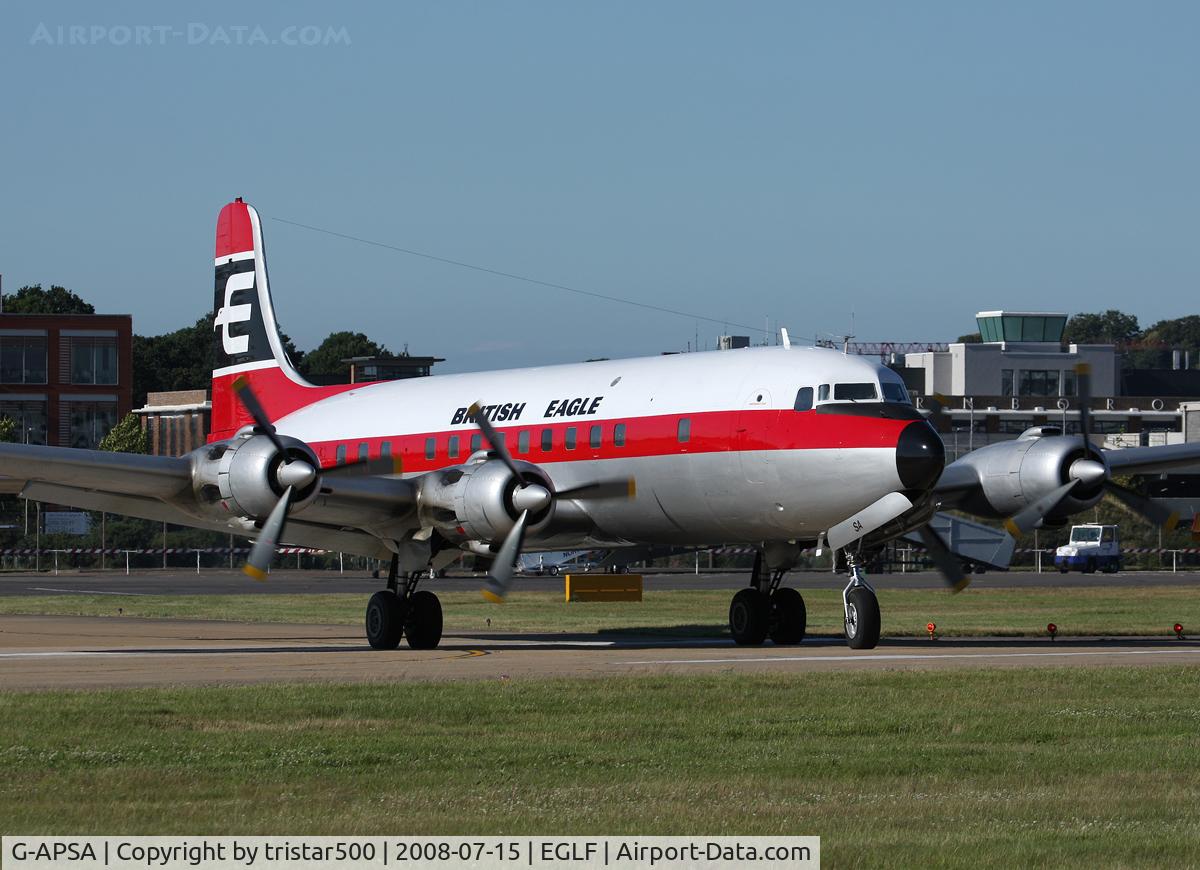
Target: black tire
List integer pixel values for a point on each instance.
(1090, 567)
(424, 626)
(385, 620)
(863, 621)
(1063, 570)
(789, 617)
(749, 617)
(553, 570)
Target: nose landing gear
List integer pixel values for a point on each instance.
(862, 610)
(765, 609)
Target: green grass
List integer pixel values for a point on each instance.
(1084, 767)
(1120, 610)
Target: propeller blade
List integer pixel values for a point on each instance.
(493, 437)
(1139, 504)
(947, 563)
(1083, 387)
(1029, 516)
(500, 577)
(242, 389)
(263, 550)
(625, 487)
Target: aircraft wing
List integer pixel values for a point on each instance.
(350, 514)
(1147, 460)
(97, 470)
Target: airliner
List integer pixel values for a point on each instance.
(779, 448)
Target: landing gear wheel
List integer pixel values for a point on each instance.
(424, 626)
(385, 620)
(788, 616)
(862, 618)
(749, 617)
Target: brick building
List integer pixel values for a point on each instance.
(65, 379)
(176, 422)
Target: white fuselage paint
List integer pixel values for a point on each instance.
(731, 494)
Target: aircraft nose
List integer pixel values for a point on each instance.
(920, 456)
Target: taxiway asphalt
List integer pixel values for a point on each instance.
(291, 581)
(57, 652)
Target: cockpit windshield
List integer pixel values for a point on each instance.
(1085, 535)
(855, 393)
(895, 393)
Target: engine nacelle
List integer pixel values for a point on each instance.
(475, 501)
(1012, 474)
(241, 476)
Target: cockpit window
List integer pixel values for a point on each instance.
(823, 393)
(804, 399)
(895, 393)
(855, 393)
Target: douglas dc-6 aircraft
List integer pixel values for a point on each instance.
(780, 448)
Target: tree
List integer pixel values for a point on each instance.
(8, 429)
(326, 360)
(32, 299)
(181, 360)
(128, 436)
(970, 338)
(1182, 333)
(1111, 327)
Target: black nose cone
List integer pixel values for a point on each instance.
(920, 456)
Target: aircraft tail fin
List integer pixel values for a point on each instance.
(246, 338)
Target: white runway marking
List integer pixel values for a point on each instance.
(80, 591)
(917, 657)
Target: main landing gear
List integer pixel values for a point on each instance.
(408, 612)
(862, 610)
(765, 609)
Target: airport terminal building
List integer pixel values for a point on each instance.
(1021, 374)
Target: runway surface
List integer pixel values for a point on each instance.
(291, 581)
(54, 652)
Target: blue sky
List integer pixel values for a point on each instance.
(911, 163)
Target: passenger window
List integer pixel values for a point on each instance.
(569, 441)
(594, 437)
(452, 447)
(430, 448)
(684, 432)
(547, 440)
(341, 454)
(823, 393)
(804, 399)
(476, 442)
(619, 435)
(523, 441)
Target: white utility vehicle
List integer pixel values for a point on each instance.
(1092, 547)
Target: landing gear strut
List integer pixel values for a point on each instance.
(764, 609)
(862, 610)
(403, 610)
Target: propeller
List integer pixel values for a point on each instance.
(531, 498)
(500, 576)
(292, 474)
(947, 563)
(1088, 472)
